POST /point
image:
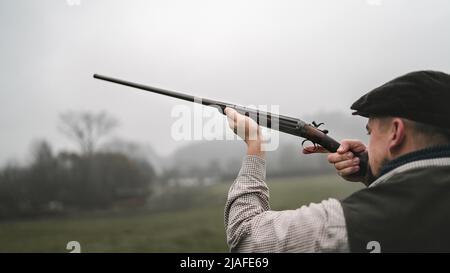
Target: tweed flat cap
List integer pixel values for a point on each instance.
(422, 96)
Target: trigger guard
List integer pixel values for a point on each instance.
(307, 140)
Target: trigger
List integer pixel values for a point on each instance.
(306, 140)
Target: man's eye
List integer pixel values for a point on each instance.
(368, 133)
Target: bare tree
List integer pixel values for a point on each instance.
(86, 128)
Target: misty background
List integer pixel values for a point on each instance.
(308, 57)
(313, 59)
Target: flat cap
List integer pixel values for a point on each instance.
(422, 96)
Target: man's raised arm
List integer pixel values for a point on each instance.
(250, 224)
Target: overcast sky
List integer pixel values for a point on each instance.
(306, 56)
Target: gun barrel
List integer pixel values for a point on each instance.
(161, 91)
(288, 123)
(285, 124)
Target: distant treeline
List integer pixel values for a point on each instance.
(89, 179)
(56, 184)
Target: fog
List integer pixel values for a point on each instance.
(308, 57)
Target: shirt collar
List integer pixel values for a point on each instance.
(428, 157)
(427, 153)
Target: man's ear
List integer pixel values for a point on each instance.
(397, 133)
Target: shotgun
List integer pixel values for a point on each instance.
(288, 125)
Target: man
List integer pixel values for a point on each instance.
(406, 206)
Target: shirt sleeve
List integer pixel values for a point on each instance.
(252, 227)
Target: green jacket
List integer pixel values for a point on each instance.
(408, 210)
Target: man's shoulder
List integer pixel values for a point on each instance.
(427, 178)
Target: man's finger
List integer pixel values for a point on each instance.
(351, 145)
(335, 157)
(348, 171)
(314, 150)
(344, 147)
(231, 113)
(346, 164)
(231, 123)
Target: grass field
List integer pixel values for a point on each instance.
(196, 226)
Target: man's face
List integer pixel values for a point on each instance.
(378, 129)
